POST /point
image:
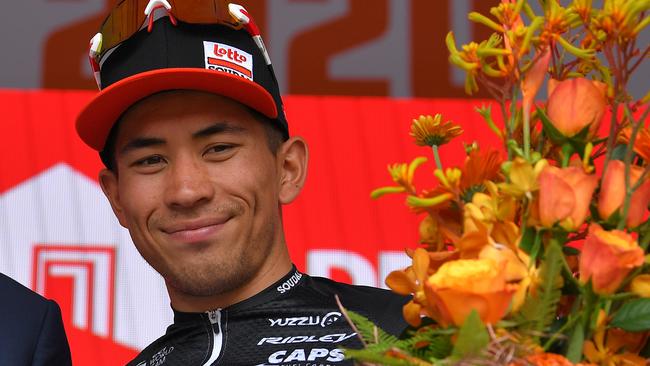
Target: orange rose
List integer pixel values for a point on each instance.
(517, 269)
(607, 257)
(574, 104)
(612, 193)
(564, 196)
(464, 285)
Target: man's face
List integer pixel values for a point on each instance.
(199, 190)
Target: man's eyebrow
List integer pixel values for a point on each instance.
(141, 142)
(219, 127)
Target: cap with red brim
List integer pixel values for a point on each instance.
(178, 57)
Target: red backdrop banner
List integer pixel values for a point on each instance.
(60, 238)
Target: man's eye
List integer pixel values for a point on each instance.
(149, 161)
(219, 148)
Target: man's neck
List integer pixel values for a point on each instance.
(270, 272)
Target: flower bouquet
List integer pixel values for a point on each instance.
(534, 254)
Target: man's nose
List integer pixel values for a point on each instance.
(188, 183)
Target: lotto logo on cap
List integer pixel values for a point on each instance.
(225, 58)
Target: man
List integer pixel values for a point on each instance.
(31, 330)
(190, 125)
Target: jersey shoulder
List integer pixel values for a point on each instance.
(382, 306)
(181, 345)
(147, 354)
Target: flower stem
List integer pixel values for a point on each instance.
(589, 303)
(569, 274)
(644, 237)
(620, 296)
(629, 150)
(613, 129)
(567, 151)
(527, 134)
(436, 156)
(513, 109)
(506, 122)
(569, 324)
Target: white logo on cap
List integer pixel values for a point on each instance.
(225, 58)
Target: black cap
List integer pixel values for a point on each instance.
(204, 57)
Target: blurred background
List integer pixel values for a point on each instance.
(354, 73)
(318, 47)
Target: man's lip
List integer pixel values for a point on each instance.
(195, 232)
(193, 225)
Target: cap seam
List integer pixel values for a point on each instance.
(166, 46)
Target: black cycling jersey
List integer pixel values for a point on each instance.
(294, 322)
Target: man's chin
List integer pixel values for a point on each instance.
(207, 281)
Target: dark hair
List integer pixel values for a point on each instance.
(274, 138)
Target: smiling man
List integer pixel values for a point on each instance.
(199, 161)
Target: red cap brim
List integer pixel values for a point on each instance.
(96, 119)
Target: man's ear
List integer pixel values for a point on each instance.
(108, 182)
(293, 156)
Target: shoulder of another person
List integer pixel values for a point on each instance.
(23, 300)
(31, 326)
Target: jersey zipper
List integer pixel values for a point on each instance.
(217, 336)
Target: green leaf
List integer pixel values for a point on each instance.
(570, 250)
(371, 333)
(537, 312)
(577, 339)
(581, 136)
(550, 130)
(633, 316)
(438, 347)
(472, 337)
(527, 239)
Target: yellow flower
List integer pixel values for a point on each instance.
(476, 236)
(463, 285)
(492, 207)
(640, 285)
(621, 19)
(431, 131)
(449, 178)
(582, 8)
(436, 229)
(402, 174)
(488, 220)
(473, 57)
(604, 347)
(418, 203)
(523, 178)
